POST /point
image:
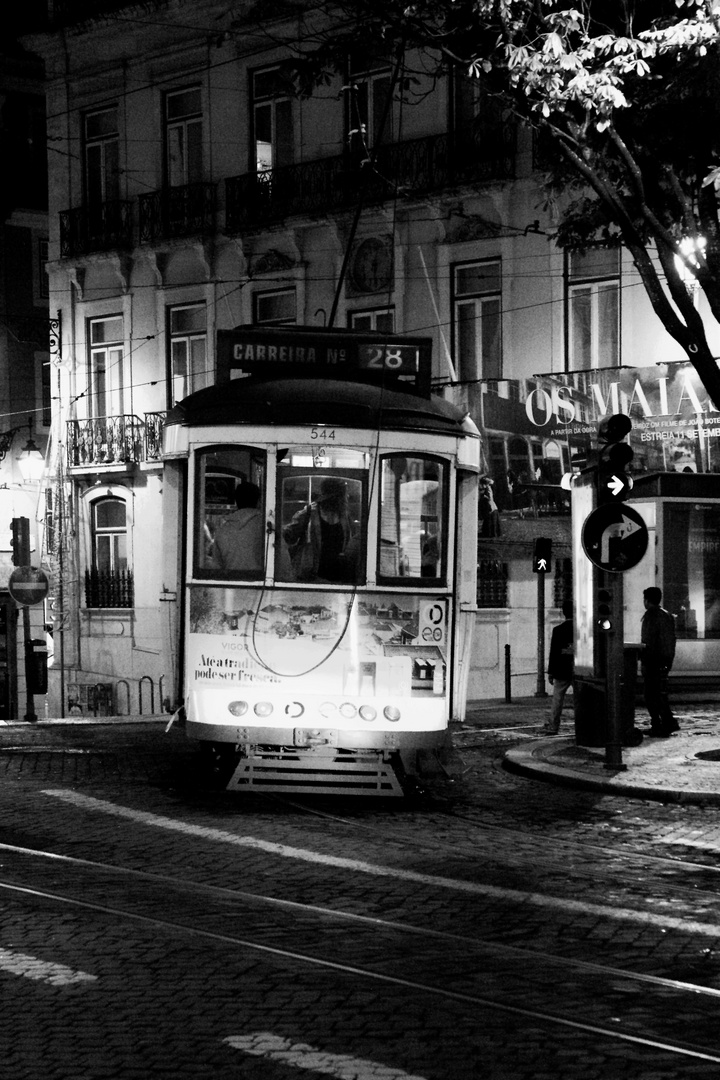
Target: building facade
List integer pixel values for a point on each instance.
(192, 190)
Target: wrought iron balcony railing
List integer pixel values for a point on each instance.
(109, 588)
(154, 427)
(105, 440)
(412, 168)
(104, 227)
(178, 211)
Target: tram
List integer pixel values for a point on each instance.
(329, 517)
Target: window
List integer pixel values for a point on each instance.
(109, 583)
(412, 538)
(230, 534)
(272, 120)
(594, 309)
(109, 535)
(321, 511)
(371, 82)
(105, 366)
(477, 309)
(188, 350)
(101, 156)
(691, 569)
(183, 137)
(277, 307)
(381, 319)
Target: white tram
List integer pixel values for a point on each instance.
(329, 559)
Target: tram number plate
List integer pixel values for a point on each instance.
(315, 737)
(391, 357)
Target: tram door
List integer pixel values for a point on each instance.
(8, 657)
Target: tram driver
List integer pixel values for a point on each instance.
(320, 538)
(239, 540)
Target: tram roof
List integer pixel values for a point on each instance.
(290, 402)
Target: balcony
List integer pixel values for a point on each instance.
(103, 441)
(177, 212)
(104, 227)
(154, 427)
(413, 168)
(109, 588)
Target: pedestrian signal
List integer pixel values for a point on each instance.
(542, 555)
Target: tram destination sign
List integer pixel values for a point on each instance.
(297, 351)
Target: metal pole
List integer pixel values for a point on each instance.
(614, 677)
(508, 686)
(30, 715)
(541, 691)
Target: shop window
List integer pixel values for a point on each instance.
(691, 562)
(412, 535)
(477, 309)
(593, 301)
(230, 535)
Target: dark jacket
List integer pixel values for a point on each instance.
(658, 637)
(561, 663)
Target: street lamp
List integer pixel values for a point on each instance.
(31, 461)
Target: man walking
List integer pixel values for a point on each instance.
(561, 665)
(656, 659)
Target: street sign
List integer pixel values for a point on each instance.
(614, 537)
(28, 586)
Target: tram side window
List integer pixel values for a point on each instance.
(322, 525)
(413, 519)
(230, 517)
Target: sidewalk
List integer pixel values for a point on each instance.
(683, 768)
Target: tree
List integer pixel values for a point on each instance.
(624, 99)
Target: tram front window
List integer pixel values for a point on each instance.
(322, 526)
(230, 519)
(413, 518)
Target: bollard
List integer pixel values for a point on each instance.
(508, 691)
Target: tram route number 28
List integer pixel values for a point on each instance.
(433, 622)
(398, 358)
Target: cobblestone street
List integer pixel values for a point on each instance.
(493, 926)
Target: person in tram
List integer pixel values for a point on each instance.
(239, 540)
(320, 537)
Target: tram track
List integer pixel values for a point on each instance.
(506, 973)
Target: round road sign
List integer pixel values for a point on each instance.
(28, 586)
(614, 537)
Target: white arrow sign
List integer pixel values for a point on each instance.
(619, 531)
(615, 484)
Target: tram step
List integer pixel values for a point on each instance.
(345, 775)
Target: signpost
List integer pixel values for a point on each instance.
(28, 587)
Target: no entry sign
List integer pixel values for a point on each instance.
(28, 586)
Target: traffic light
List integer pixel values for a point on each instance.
(542, 555)
(605, 617)
(20, 541)
(613, 482)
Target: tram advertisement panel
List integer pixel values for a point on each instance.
(375, 644)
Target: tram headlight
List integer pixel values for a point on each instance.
(238, 708)
(391, 713)
(367, 712)
(263, 708)
(348, 710)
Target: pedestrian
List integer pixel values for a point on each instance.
(656, 659)
(561, 666)
(320, 538)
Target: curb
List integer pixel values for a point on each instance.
(533, 761)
